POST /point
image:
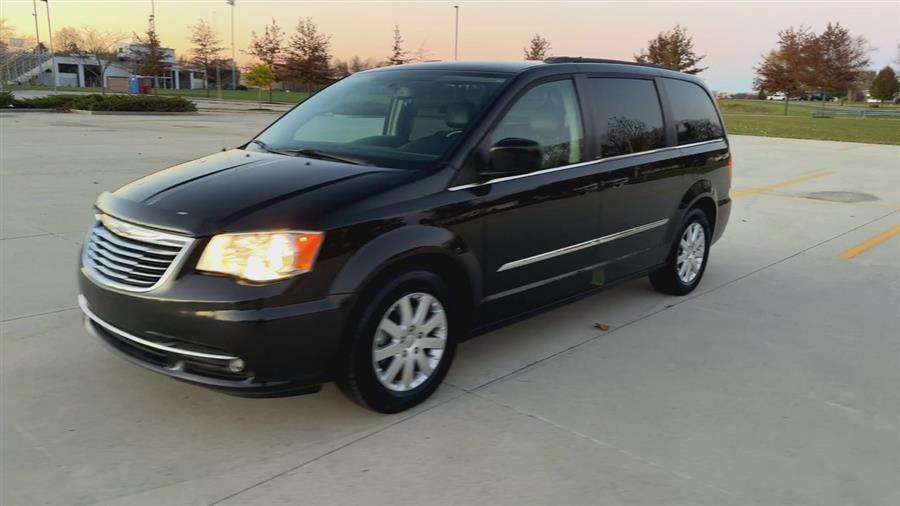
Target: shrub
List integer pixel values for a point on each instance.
(133, 103)
(6, 99)
(50, 102)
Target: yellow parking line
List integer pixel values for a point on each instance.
(867, 245)
(760, 189)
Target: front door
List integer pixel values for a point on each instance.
(538, 226)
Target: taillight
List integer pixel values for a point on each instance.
(730, 164)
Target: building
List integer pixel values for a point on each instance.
(36, 67)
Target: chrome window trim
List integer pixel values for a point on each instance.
(137, 233)
(582, 164)
(580, 246)
(82, 303)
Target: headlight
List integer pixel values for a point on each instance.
(261, 256)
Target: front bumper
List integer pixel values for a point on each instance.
(262, 351)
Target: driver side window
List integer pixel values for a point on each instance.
(549, 115)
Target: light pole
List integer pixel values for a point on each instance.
(52, 56)
(456, 34)
(233, 61)
(37, 34)
(218, 60)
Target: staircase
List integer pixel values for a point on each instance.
(24, 67)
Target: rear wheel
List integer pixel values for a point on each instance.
(402, 346)
(686, 262)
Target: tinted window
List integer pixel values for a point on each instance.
(398, 118)
(549, 115)
(627, 116)
(695, 115)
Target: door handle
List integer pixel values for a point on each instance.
(616, 183)
(587, 188)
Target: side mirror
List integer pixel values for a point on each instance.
(513, 155)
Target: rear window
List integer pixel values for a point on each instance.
(627, 115)
(695, 115)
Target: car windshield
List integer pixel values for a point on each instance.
(403, 119)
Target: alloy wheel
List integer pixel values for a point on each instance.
(409, 342)
(691, 253)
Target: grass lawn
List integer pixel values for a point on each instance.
(281, 97)
(869, 130)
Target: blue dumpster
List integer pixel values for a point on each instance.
(134, 85)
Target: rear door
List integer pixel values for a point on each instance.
(641, 177)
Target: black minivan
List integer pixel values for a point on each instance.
(365, 233)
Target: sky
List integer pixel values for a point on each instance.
(732, 35)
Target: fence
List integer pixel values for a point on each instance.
(849, 112)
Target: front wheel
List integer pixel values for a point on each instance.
(402, 346)
(686, 262)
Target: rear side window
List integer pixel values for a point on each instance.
(627, 115)
(695, 115)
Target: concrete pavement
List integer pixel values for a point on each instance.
(777, 382)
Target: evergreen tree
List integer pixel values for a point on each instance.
(885, 85)
(673, 49)
(308, 56)
(398, 56)
(538, 49)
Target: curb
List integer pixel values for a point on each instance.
(13, 109)
(134, 113)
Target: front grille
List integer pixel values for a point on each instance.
(129, 256)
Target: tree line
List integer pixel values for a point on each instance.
(833, 63)
(305, 56)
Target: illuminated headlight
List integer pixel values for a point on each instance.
(266, 256)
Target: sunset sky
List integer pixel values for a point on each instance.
(731, 34)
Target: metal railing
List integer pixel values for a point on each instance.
(855, 112)
(23, 67)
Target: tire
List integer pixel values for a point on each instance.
(408, 344)
(675, 279)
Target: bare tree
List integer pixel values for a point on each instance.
(398, 56)
(100, 46)
(357, 64)
(268, 48)
(673, 49)
(421, 54)
(68, 40)
(308, 55)
(538, 48)
(206, 49)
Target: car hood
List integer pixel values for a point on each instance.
(239, 190)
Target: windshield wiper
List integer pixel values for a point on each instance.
(267, 149)
(323, 155)
(308, 152)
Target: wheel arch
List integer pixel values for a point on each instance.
(701, 195)
(433, 248)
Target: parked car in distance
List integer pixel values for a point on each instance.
(368, 231)
(777, 96)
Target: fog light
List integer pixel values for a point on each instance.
(236, 365)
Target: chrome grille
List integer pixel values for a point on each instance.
(129, 256)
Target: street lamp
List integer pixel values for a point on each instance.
(456, 35)
(52, 56)
(233, 61)
(37, 31)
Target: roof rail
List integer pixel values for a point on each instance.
(581, 59)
